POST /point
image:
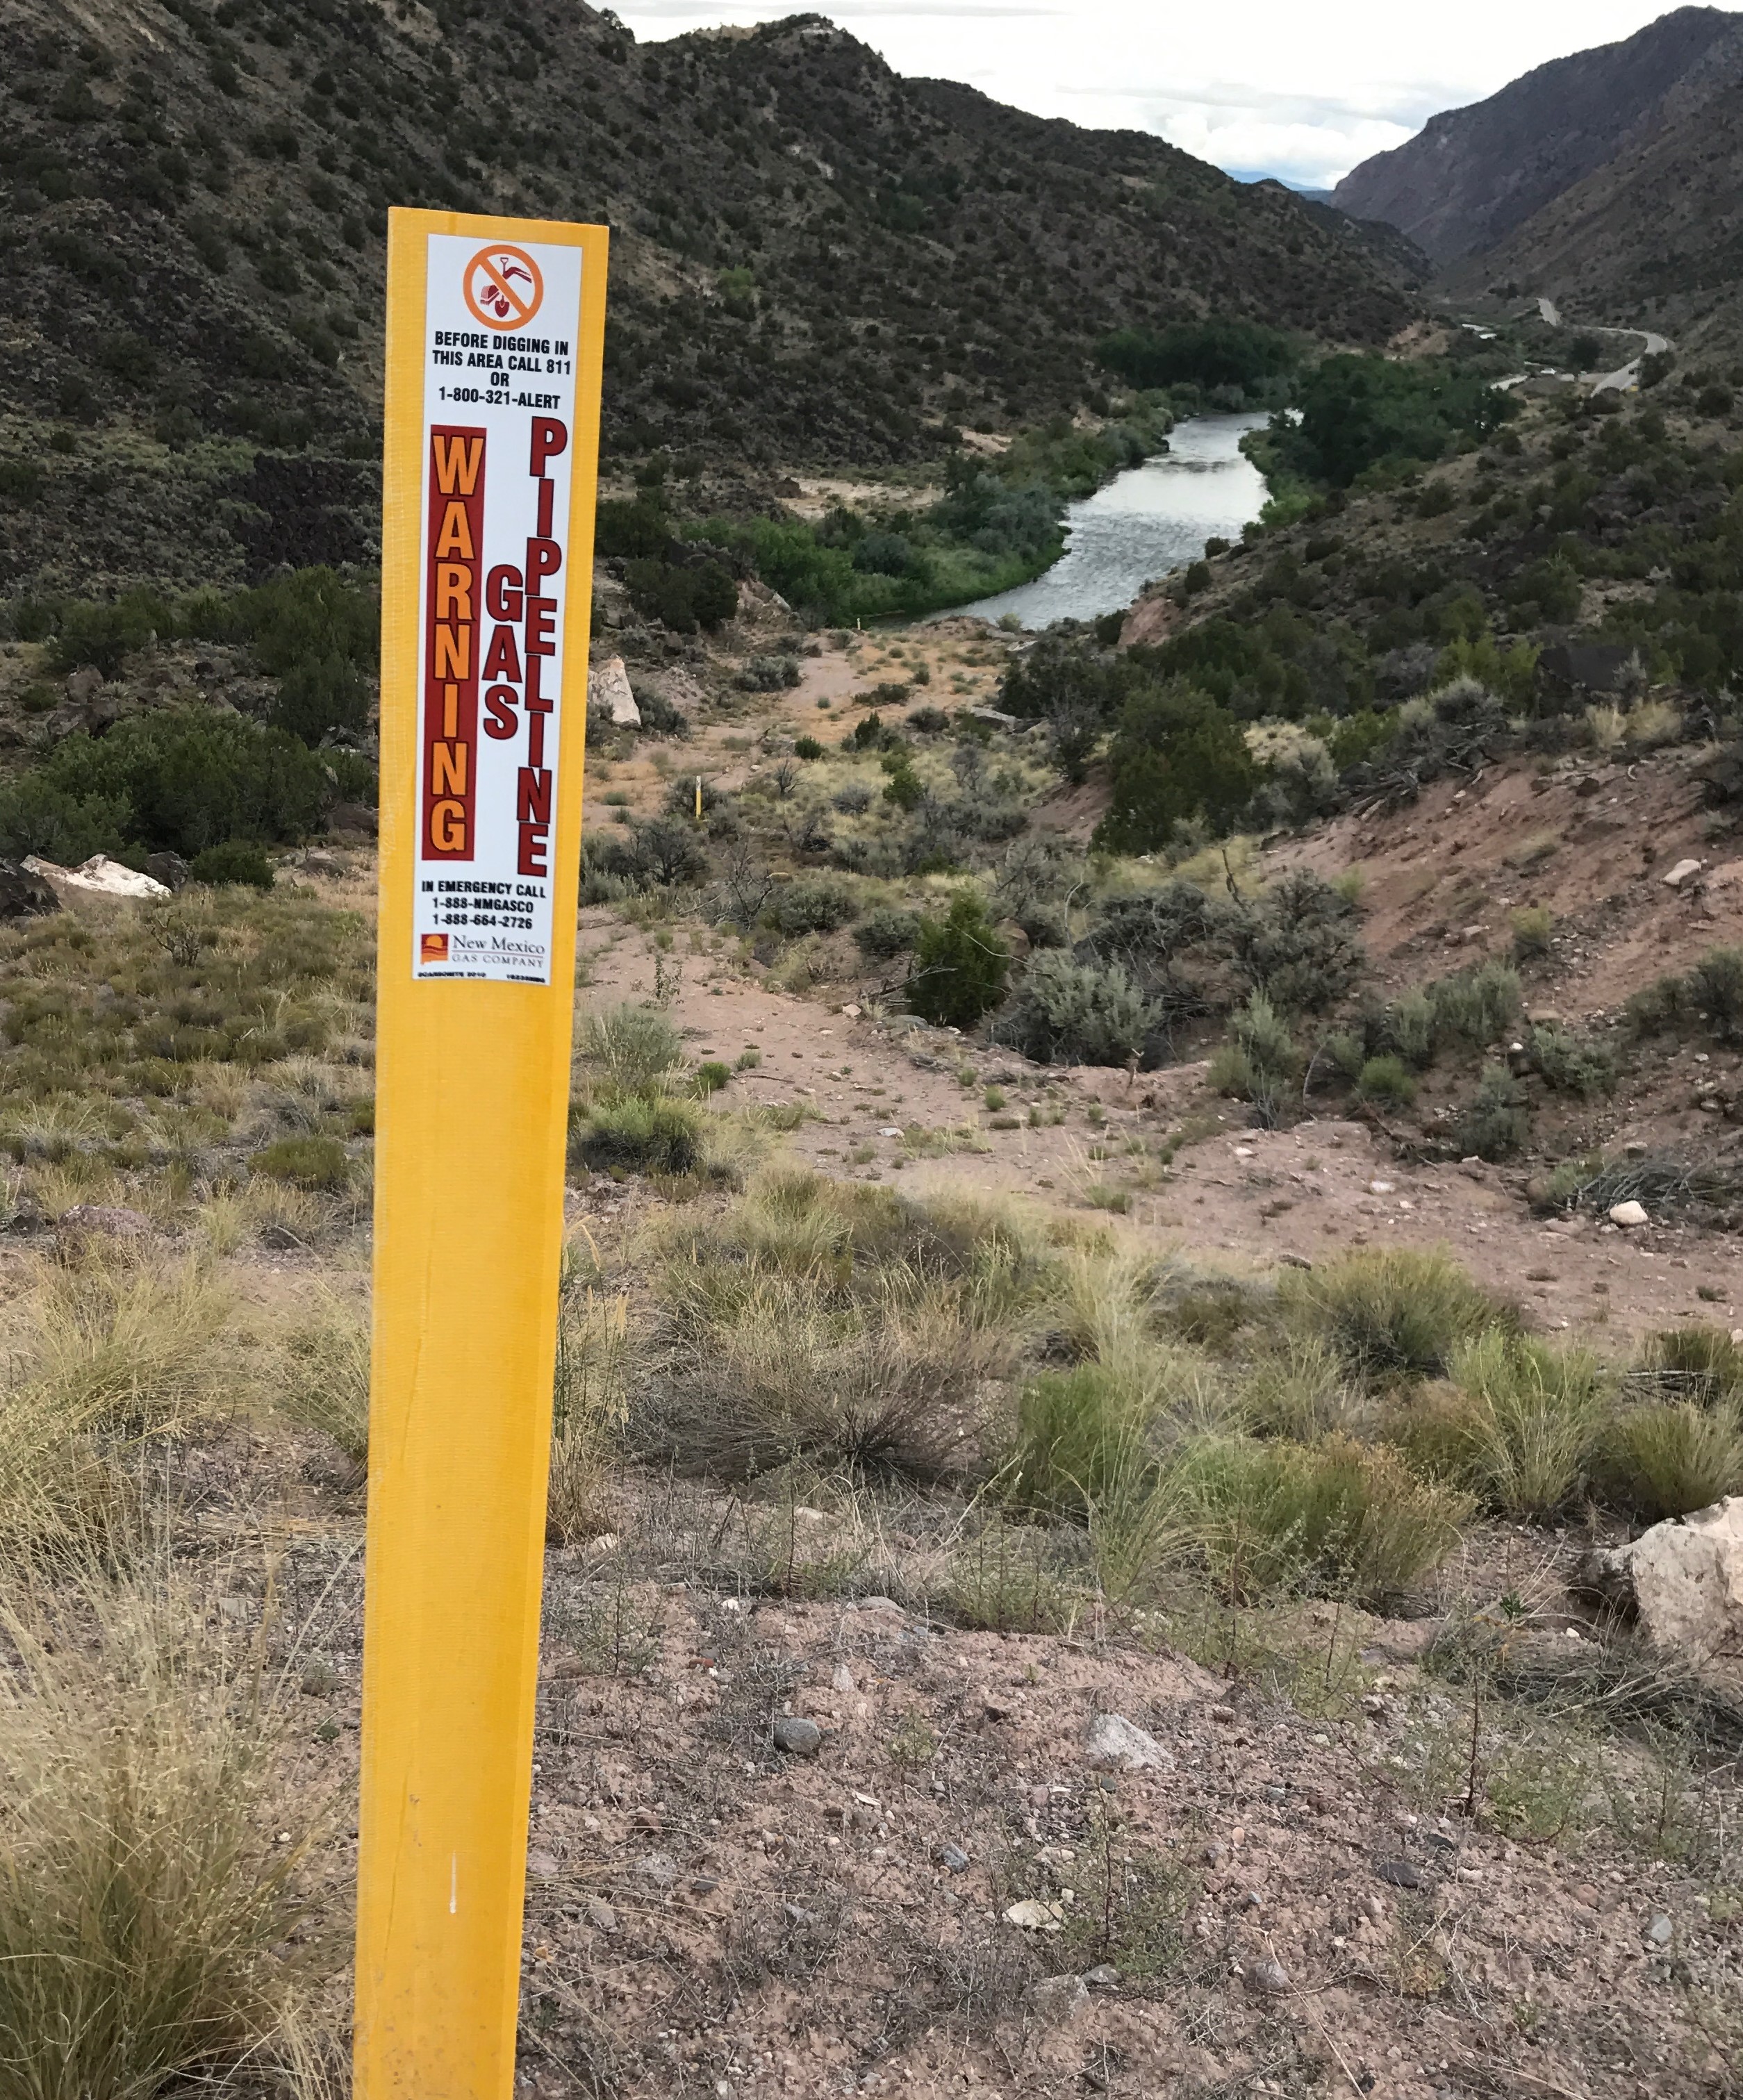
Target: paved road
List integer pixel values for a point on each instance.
(1628, 375)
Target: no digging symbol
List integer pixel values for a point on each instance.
(503, 287)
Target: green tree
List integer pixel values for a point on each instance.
(959, 965)
(1176, 755)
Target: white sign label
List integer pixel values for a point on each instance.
(501, 323)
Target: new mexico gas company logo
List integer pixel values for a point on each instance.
(504, 287)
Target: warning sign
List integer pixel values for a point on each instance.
(501, 323)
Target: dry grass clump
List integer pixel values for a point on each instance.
(108, 1355)
(1664, 1460)
(842, 1324)
(324, 1381)
(590, 1403)
(146, 1910)
(1518, 1422)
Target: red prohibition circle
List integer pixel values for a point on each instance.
(504, 287)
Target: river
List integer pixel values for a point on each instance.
(1147, 521)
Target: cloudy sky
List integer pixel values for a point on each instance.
(1259, 87)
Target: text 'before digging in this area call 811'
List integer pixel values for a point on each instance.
(502, 321)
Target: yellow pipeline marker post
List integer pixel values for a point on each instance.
(495, 330)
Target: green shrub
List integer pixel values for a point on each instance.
(1569, 1064)
(1260, 1062)
(1077, 1013)
(1387, 1080)
(1078, 1431)
(1409, 1023)
(682, 598)
(38, 816)
(887, 931)
(814, 904)
(640, 1133)
(1337, 1515)
(1495, 1123)
(1532, 926)
(1715, 987)
(633, 1046)
(1475, 1007)
(1391, 1314)
(807, 747)
(236, 861)
(959, 965)
(182, 779)
(712, 1076)
(309, 1162)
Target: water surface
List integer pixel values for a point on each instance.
(1147, 521)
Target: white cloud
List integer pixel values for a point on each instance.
(1303, 92)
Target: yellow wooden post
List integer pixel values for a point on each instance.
(495, 332)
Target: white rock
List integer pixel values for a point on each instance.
(1118, 1745)
(1686, 1577)
(608, 687)
(1680, 874)
(841, 1678)
(1035, 1916)
(1629, 1214)
(106, 877)
(1380, 1188)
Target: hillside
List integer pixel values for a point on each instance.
(814, 262)
(1470, 176)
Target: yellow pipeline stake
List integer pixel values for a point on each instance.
(494, 330)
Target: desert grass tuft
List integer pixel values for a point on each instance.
(1517, 1423)
(146, 1910)
(1395, 1314)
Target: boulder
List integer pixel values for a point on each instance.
(1683, 1578)
(1684, 872)
(24, 893)
(357, 817)
(168, 868)
(608, 689)
(98, 876)
(1629, 1215)
(1058, 2001)
(798, 1737)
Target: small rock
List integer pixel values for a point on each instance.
(1680, 874)
(1103, 1977)
(659, 1868)
(647, 1819)
(797, 1914)
(1684, 1576)
(852, 1012)
(1268, 1979)
(1629, 1214)
(542, 1867)
(1032, 1915)
(1398, 1874)
(841, 1678)
(1119, 1744)
(313, 863)
(953, 1857)
(798, 1737)
(704, 1885)
(1214, 1853)
(1058, 2001)
(1225, 1714)
(881, 1603)
(112, 1220)
(599, 1914)
(1661, 1931)
(1276, 1795)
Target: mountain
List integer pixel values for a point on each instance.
(815, 262)
(1655, 235)
(1470, 176)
